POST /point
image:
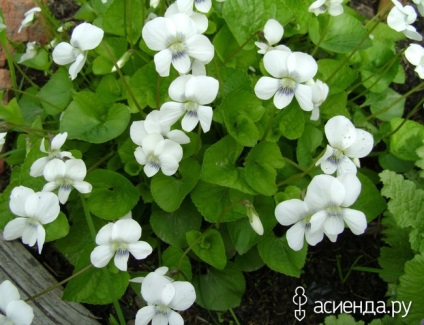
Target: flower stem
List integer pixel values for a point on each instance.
(59, 283)
(234, 316)
(324, 33)
(5, 45)
(232, 55)
(106, 275)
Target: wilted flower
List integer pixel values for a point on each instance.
(273, 33)
(29, 18)
(420, 6)
(34, 211)
(54, 152)
(400, 19)
(178, 42)
(334, 7)
(120, 239)
(331, 198)
(84, 37)
(345, 142)
(66, 175)
(2, 139)
(191, 94)
(157, 153)
(289, 71)
(415, 55)
(319, 95)
(164, 296)
(30, 52)
(154, 123)
(14, 311)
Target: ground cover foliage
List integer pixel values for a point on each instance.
(214, 145)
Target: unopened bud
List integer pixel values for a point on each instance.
(255, 221)
(122, 60)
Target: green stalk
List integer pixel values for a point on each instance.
(59, 283)
(321, 38)
(106, 275)
(404, 96)
(4, 44)
(239, 48)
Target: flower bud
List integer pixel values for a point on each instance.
(254, 219)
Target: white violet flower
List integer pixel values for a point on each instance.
(54, 152)
(273, 33)
(34, 209)
(289, 71)
(319, 95)
(29, 18)
(157, 153)
(164, 297)
(415, 55)
(400, 19)
(200, 20)
(334, 7)
(66, 175)
(119, 239)
(191, 94)
(178, 42)
(84, 37)
(154, 124)
(297, 213)
(345, 142)
(201, 5)
(331, 197)
(13, 310)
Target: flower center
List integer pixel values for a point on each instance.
(177, 47)
(334, 211)
(163, 309)
(323, 8)
(120, 247)
(66, 183)
(153, 161)
(191, 108)
(287, 86)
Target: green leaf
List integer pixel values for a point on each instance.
(341, 35)
(335, 105)
(123, 19)
(241, 109)
(250, 261)
(11, 113)
(291, 121)
(260, 167)
(410, 289)
(219, 165)
(95, 286)
(406, 204)
(307, 145)
(393, 257)
(209, 247)
(370, 200)
(56, 93)
(292, 14)
(172, 227)
(113, 195)
(220, 290)
(245, 17)
(58, 228)
(178, 263)
(217, 202)
(234, 79)
(104, 63)
(278, 256)
(407, 139)
(342, 78)
(342, 319)
(379, 102)
(149, 88)
(169, 192)
(91, 119)
(241, 233)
